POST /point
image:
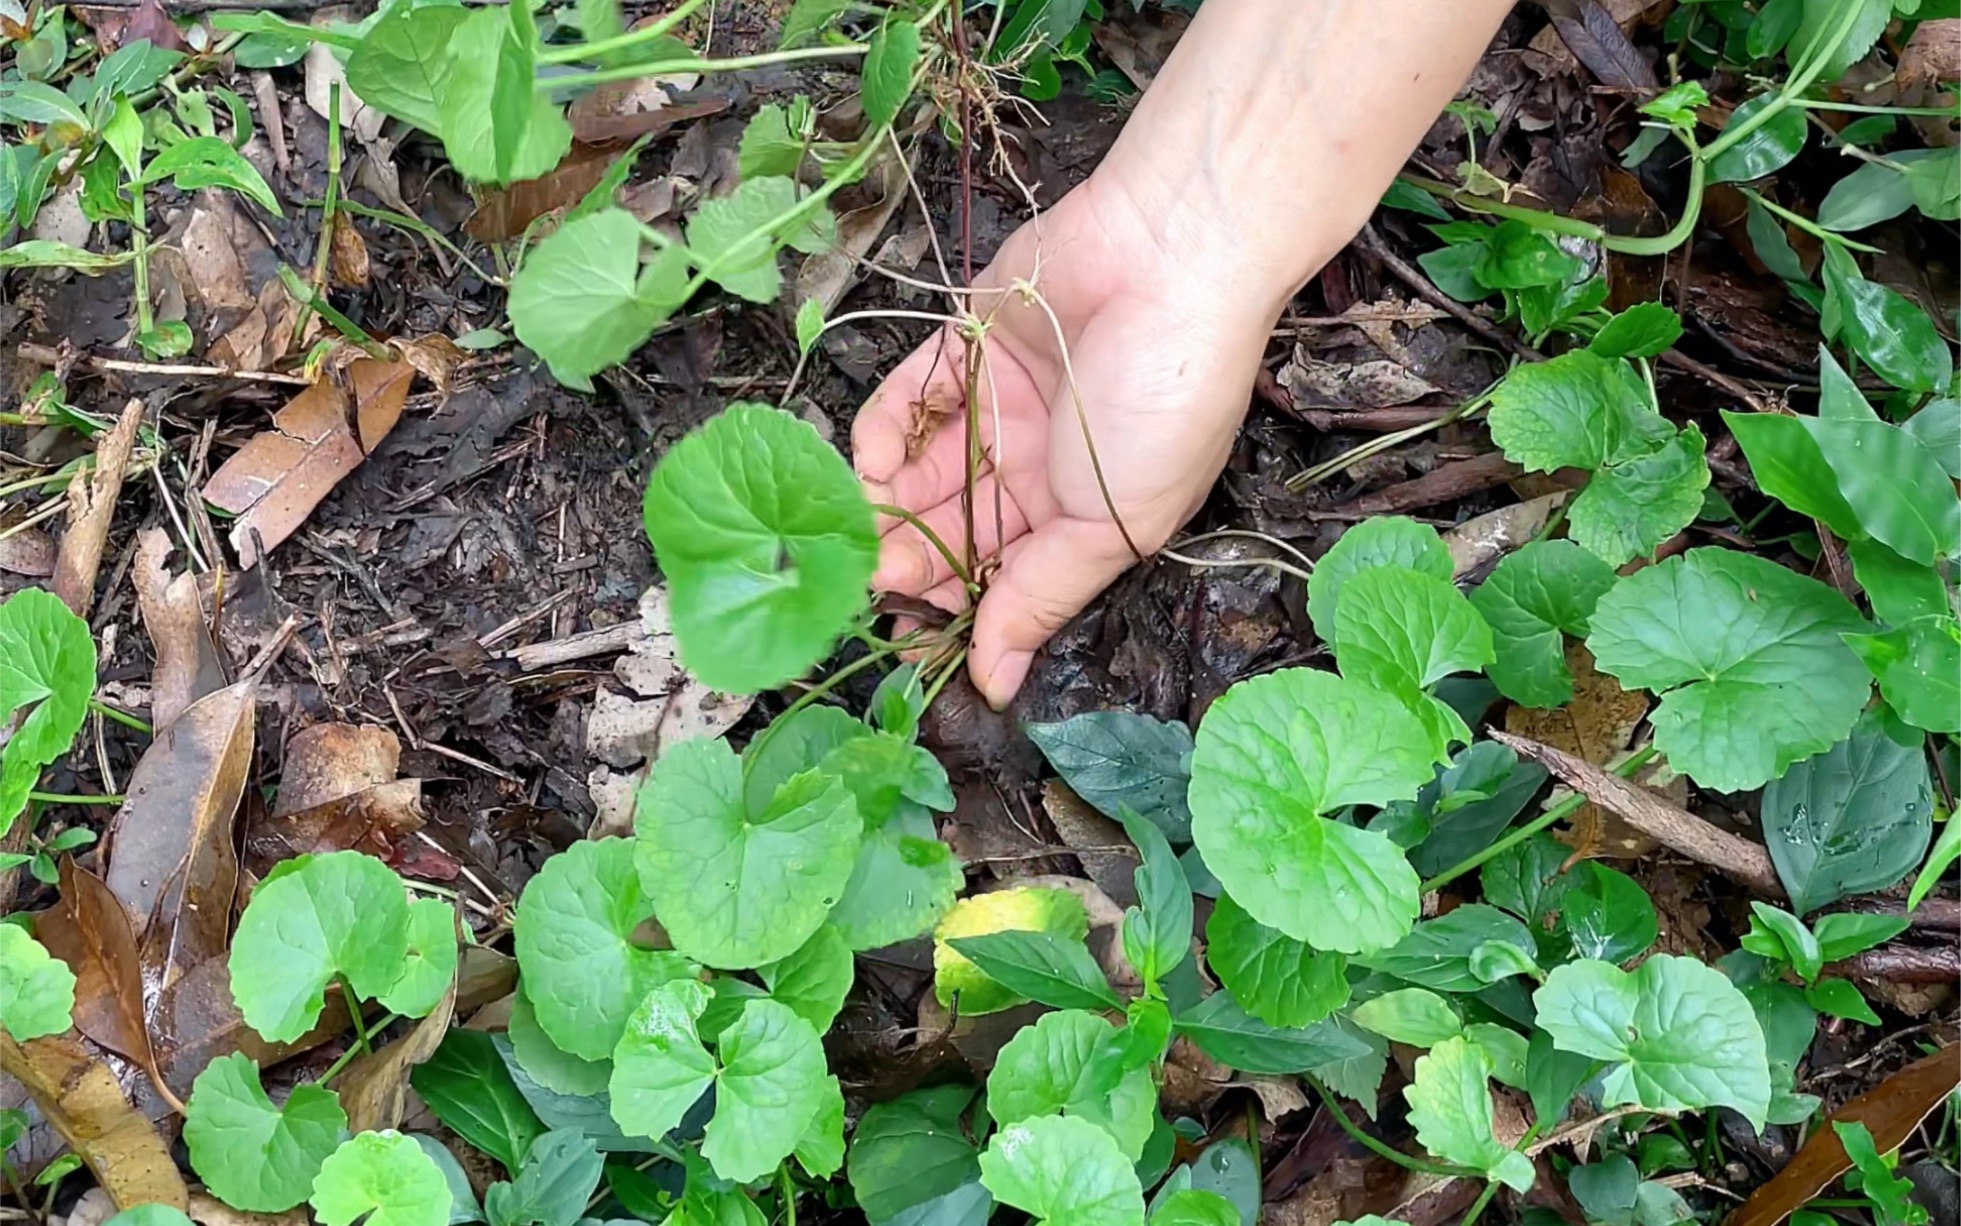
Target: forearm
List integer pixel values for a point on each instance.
(1276, 125)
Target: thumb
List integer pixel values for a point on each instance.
(1046, 578)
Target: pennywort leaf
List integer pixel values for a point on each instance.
(1740, 707)
(251, 1154)
(911, 1150)
(1450, 1108)
(767, 544)
(1384, 540)
(582, 301)
(736, 889)
(583, 973)
(383, 1177)
(1402, 631)
(343, 914)
(1064, 1170)
(47, 663)
(1534, 596)
(1279, 980)
(771, 1084)
(1273, 754)
(887, 78)
(37, 990)
(1678, 1034)
(1064, 1064)
(660, 1066)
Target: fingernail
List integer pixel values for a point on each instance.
(1001, 684)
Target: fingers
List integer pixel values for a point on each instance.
(910, 563)
(1046, 578)
(880, 432)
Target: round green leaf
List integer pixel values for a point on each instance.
(342, 913)
(1739, 707)
(398, 69)
(1402, 631)
(574, 933)
(544, 1061)
(498, 127)
(1578, 410)
(1385, 540)
(1680, 1035)
(735, 237)
(1766, 149)
(384, 1177)
(1516, 256)
(1852, 820)
(660, 1067)
(1062, 1170)
(767, 544)
(1273, 754)
(1063, 1065)
(910, 1150)
(1450, 1108)
(47, 661)
(901, 883)
(815, 979)
(430, 964)
(735, 889)
(1277, 979)
(1628, 509)
(577, 300)
(1546, 589)
(771, 1085)
(150, 1215)
(37, 990)
(1414, 1016)
(251, 1154)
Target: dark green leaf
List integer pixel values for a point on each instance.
(1939, 427)
(1553, 1077)
(1526, 879)
(1840, 998)
(1606, 914)
(1918, 666)
(912, 1150)
(1233, 1037)
(1157, 933)
(1117, 758)
(1899, 590)
(1413, 199)
(1777, 934)
(1515, 256)
(558, 1177)
(467, 1086)
(1766, 149)
(1041, 966)
(1437, 953)
(1534, 597)
(1886, 329)
(1850, 821)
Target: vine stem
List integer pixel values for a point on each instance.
(1378, 1146)
(1565, 808)
(898, 512)
(619, 42)
(1809, 226)
(1800, 80)
(661, 68)
(122, 717)
(1856, 108)
(1477, 1208)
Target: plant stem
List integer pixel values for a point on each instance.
(64, 798)
(1565, 808)
(1808, 226)
(1812, 104)
(328, 202)
(926, 531)
(122, 717)
(661, 68)
(619, 42)
(1812, 64)
(806, 698)
(354, 1014)
(1478, 1206)
(1538, 219)
(788, 1193)
(139, 233)
(349, 330)
(1377, 1146)
(347, 1057)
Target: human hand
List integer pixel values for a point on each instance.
(1163, 345)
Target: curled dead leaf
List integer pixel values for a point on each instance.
(1933, 54)
(89, 930)
(92, 498)
(1890, 1110)
(347, 254)
(170, 853)
(187, 665)
(273, 482)
(328, 762)
(373, 821)
(79, 1097)
(374, 1089)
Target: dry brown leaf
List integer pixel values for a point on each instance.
(171, 859)
(373, 821)
(91, 505)
(1676, 828)
(328, 762)
(347, 254)
(196, 1021)
(79, 1097)
(187, 665)
(26, 551)
(1890, 1110)
(1376, 384)
(273, 482)
(1596, 726)
(1482, 540)
(435, 357)
(1932, 54)
(482, 976)
(89, 930)
(1099, 843)
(827, 275)
(374, 1089)
(506, 212)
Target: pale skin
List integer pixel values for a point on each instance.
(1255, 156)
